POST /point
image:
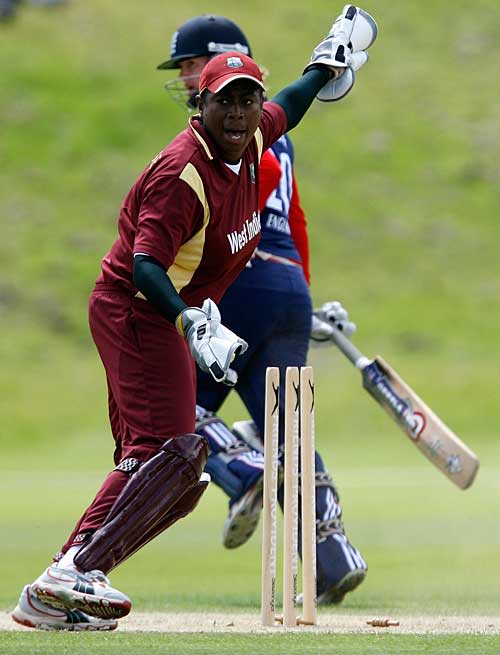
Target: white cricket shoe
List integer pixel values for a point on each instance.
(243, 517)
(91, 592)
(34, 614)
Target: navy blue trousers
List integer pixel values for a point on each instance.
(269, 306)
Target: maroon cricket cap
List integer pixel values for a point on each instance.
(226, 68)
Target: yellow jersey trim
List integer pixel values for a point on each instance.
(178, 325)
(260, 142)
(202, 141)
(190, 253)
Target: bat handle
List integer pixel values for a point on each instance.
(349, 349)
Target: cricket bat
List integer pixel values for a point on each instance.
(425, 429)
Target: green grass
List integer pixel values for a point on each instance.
(48, 644)
(400, 184)
(430, 547)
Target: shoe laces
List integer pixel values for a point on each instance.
(236, 448)
(97, 576)
(325, 529)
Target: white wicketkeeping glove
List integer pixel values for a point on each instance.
(344, 50)
(212, 345)
(332, 315)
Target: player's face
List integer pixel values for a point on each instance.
(232, 116)
(189, 72)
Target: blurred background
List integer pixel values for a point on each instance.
(401, 185)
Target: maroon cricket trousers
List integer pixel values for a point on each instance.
(151, 388)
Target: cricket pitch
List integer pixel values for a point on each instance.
(235, 622)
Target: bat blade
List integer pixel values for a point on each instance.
(425, 429)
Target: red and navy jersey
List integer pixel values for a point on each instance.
(283, 221)
(193, 214)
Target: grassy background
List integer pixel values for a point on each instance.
(401, 186)
(291, 644)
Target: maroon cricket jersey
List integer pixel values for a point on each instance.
(193, 214)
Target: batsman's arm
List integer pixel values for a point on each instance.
(298, 227)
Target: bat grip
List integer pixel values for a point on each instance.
(349, 349)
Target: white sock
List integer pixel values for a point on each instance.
(66, 561)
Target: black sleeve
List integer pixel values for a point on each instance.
(151, 279)
(296, 98)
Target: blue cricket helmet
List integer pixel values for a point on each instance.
(206, 35)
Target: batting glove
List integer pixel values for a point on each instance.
(212, 345)
(332, 315)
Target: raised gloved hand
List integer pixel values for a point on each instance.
(344, 51)
(212, 345)
(331, 315)
(339, 87)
